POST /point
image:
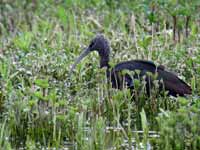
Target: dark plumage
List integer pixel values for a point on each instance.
(167, 80)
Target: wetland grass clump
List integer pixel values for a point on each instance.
(180, 129)
(41, 107)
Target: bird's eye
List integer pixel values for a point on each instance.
(91, 44)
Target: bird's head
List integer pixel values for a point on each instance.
(99, 44)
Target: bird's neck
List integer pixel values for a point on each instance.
(104, 57)
(104, 62)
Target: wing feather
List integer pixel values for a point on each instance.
(174, 84)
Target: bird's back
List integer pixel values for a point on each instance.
(135, 65)
(132, 65)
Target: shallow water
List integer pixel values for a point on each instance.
(111, 135)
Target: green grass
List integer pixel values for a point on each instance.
(42, 107)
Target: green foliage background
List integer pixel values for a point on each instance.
(41, 106)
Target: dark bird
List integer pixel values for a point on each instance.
(167, 81)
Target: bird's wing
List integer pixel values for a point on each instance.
(173, 83)
(135, 65)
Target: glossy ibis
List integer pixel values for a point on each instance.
(167, 80)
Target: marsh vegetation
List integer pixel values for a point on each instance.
(42, 107)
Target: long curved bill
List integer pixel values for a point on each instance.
(78, 60)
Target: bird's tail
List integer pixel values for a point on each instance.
(183, 88)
